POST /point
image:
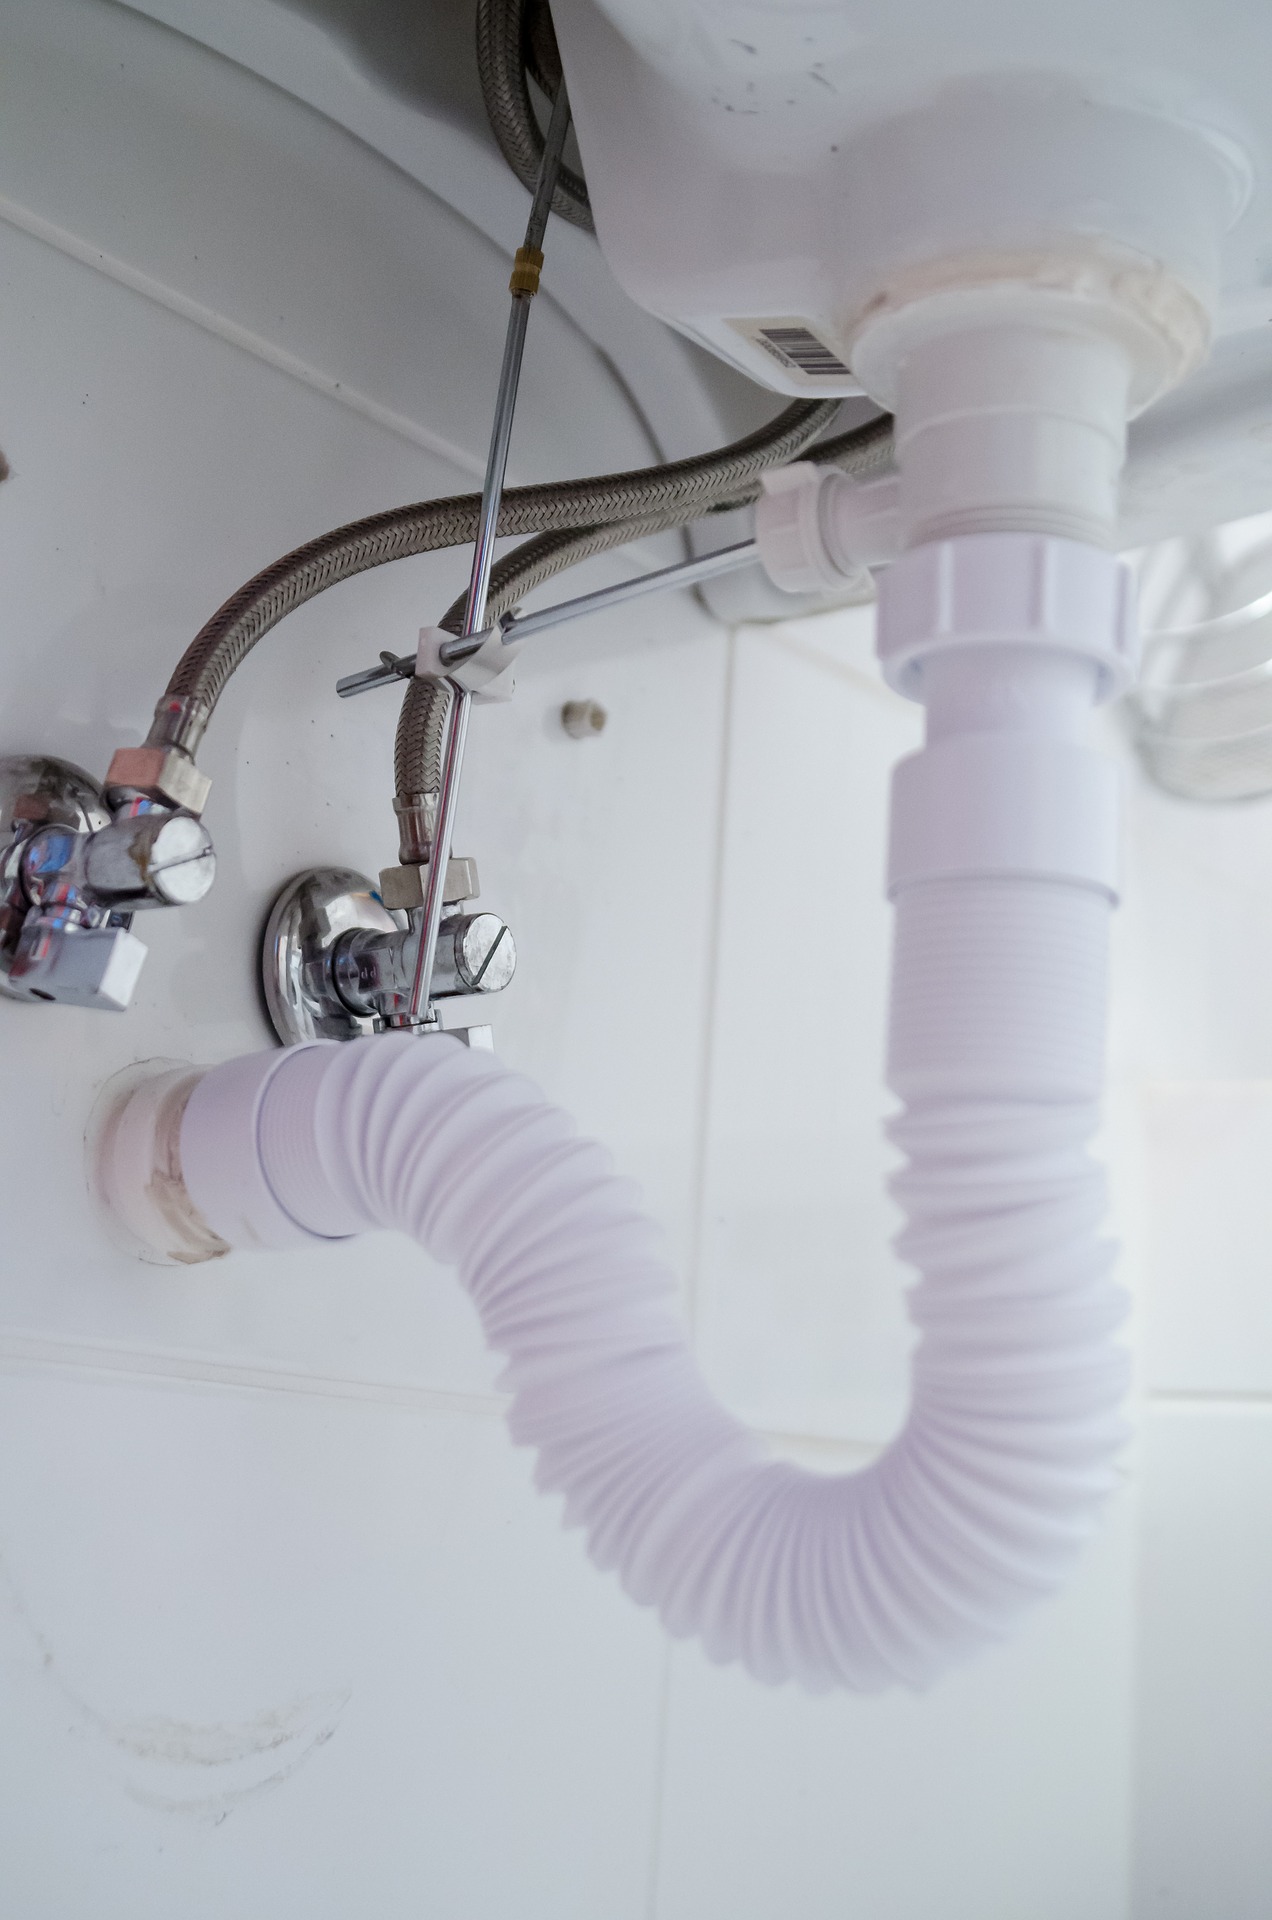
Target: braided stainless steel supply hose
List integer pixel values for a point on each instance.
(515, 37)
(695, 485)
(422, 722)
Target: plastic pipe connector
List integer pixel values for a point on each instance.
(816, 528)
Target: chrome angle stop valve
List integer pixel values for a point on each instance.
(77, 862)
(341, 954)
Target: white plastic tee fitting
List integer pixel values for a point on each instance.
(816, 528)
(1010, 395)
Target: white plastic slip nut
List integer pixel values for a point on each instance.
(1008, 589)
(815, 528)
(788, 530)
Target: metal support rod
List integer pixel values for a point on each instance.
(686, 573)
(510, 372)
(520, 626)
(525, 280)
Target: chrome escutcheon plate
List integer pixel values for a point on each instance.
(309, 916)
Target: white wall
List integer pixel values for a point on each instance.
(284, 1628)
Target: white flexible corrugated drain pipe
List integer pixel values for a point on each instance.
(1002, 874)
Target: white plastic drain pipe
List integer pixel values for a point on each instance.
(1002, 912)
(1003, 873)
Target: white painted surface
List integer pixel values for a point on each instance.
(1208, 1207)
(1205, 1665)
(1004, 1792)
(268, 1654)
(800, 1312)
(273, 1500)
(1192, 1053)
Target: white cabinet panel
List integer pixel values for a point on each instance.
(266, 1656)
(1207, 1208)
(1203, 1762)
(1002, 1793)
(159, 161)
(800, 1299)
(1193, 938)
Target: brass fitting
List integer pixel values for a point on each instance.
(404, 886)
(161, 773)
(527, 265)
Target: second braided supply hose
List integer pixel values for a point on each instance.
(862, 451)
(675, 492)
(516, 38)
(1002, 873)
